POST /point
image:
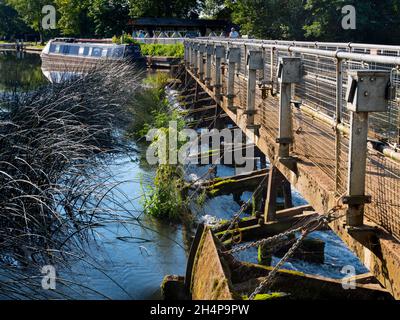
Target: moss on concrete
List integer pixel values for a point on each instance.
(266, 296)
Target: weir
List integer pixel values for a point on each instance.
(326, 115)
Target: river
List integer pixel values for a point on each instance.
(129, 261)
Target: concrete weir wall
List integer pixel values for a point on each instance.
(209, 280)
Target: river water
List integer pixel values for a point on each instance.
(129, 261)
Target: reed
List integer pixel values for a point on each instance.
(54, 147)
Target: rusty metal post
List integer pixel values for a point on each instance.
(219, 55)
(289, 72)
(338, 121)
(202, 50)
(195, 58)
(254, 62)
(209, 52)
(367, 91)
(190, 54)
(233, 57)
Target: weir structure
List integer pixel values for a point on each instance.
(327, 116)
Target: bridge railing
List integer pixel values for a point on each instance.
(321, 124)
(160, 40)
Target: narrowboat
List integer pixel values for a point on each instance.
(72, 54)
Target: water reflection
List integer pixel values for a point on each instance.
(20, 72)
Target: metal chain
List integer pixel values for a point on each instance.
(242, 209)
(267, 282)
(270, 240)
(323, 219)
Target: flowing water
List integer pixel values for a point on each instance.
(129, 261)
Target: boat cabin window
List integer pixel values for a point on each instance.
(55, 48)
(118, 52)
(104, 53)
(83, 51)
(96, 52)
(73, 50)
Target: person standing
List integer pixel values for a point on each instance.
(234, 34)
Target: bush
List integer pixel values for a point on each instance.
(124, 39)
(163, 50)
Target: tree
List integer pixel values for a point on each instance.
(215, 9)
(74, 18)
(10, 22)
(109, 17)
(273, 19)
(376, 21)
(166, 8)
(31, 12)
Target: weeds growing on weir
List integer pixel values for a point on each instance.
(151, 109)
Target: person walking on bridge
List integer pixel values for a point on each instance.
(234, 34)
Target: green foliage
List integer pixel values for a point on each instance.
(271, 19)
(31, 12)
(377, 21)
(163, 9)
(124, 39)
(150, 108)
(109, 17)
(10, 22)
(164, 200)
(74, 19)
(163, 50)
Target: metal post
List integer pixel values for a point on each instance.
(338, 121)
(357, 167)
(233, 57)
(219, 54)
(254, 62)
(186, 54)
(209, 51)
(289, 72)
(195, 58)
(202, 50)
(367, 91)
(190, 54)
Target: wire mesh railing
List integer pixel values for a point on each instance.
(320, 117)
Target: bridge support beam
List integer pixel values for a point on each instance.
(276, 182)
(219, 55)
(202, 50)
(367, 91)
(233, 58)
(255, 62)
(289, 72)
(186, 56)
(195, 58)
(209, 51)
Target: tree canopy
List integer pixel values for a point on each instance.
(10, 22)
(31, 12)
(316, 20)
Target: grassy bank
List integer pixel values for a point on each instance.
(154, 50)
